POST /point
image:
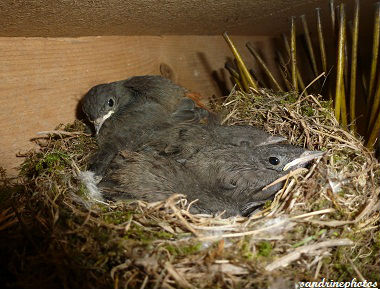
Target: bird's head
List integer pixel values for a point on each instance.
(275, 161)
(285, 157)
(103, 100)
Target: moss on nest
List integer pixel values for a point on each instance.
(323, 223)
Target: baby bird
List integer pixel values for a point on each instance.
(240, 174)
(125, 113)
(222, 178)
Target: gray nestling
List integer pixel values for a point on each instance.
(222, 178)
(182, 140)
(126, 112)
(239, 174)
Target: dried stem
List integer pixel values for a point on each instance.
(321, 39)
(234, 75)
(375, 111)
(299, 77)
(241, 65)
(340, 64)
(344, 107)
(375, 53)
(263, 66)
(332, 15)
(293, 54)
(309, 45)
(284, 71)
(354, 54)
(243, 78)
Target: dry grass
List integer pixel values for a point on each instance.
(323, 223)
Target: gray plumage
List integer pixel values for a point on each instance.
(147, 109)
(182, 140)
(223, 178)
(125, 113)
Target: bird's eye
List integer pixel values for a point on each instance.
(274, 161)
(110, 102)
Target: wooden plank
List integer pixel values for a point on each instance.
(43, 79)
(74, 18)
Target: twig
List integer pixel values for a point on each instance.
(360, 275)
(309, 44)
(354, 54)
(181, 281)
(311, 83)
(283, 178)
(296, 254)
(62, 132)
(293, 54)
(180, 217)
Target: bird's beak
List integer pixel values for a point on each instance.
(99, 121)
(305, 158)
(97, 126)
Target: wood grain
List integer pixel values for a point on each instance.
(43, 79)
(72, 18)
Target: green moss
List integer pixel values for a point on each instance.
(177, 250)
(291, 97)
(246, 250)
(374, 276)
(338, 214)
(191, 249)
(171, 249)
(146, 236)
(116, 217)
(137, 233)
(264, 248)
(55, 160)
(320, 204)
(308, 111)
(27, 168)
(267, 204)
(164, 235)
(327, 104)
(75, 126)
(82, 190)
(309, 238)
(344, 272)
(377, 240)
(101, 235)
(341, 193)
(337, 158)
(327, 260)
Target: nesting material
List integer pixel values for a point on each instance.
(322, 224)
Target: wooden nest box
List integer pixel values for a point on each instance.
(52, 52)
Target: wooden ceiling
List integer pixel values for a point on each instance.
(73, 18)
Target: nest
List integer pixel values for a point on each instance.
(323, 223)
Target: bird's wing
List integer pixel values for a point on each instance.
(134, 176)
(189, 110)
(246, 183)
(142, 176)
(246, 135)
(245, 187)
(158, 89)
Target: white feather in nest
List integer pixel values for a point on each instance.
(90, 181)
